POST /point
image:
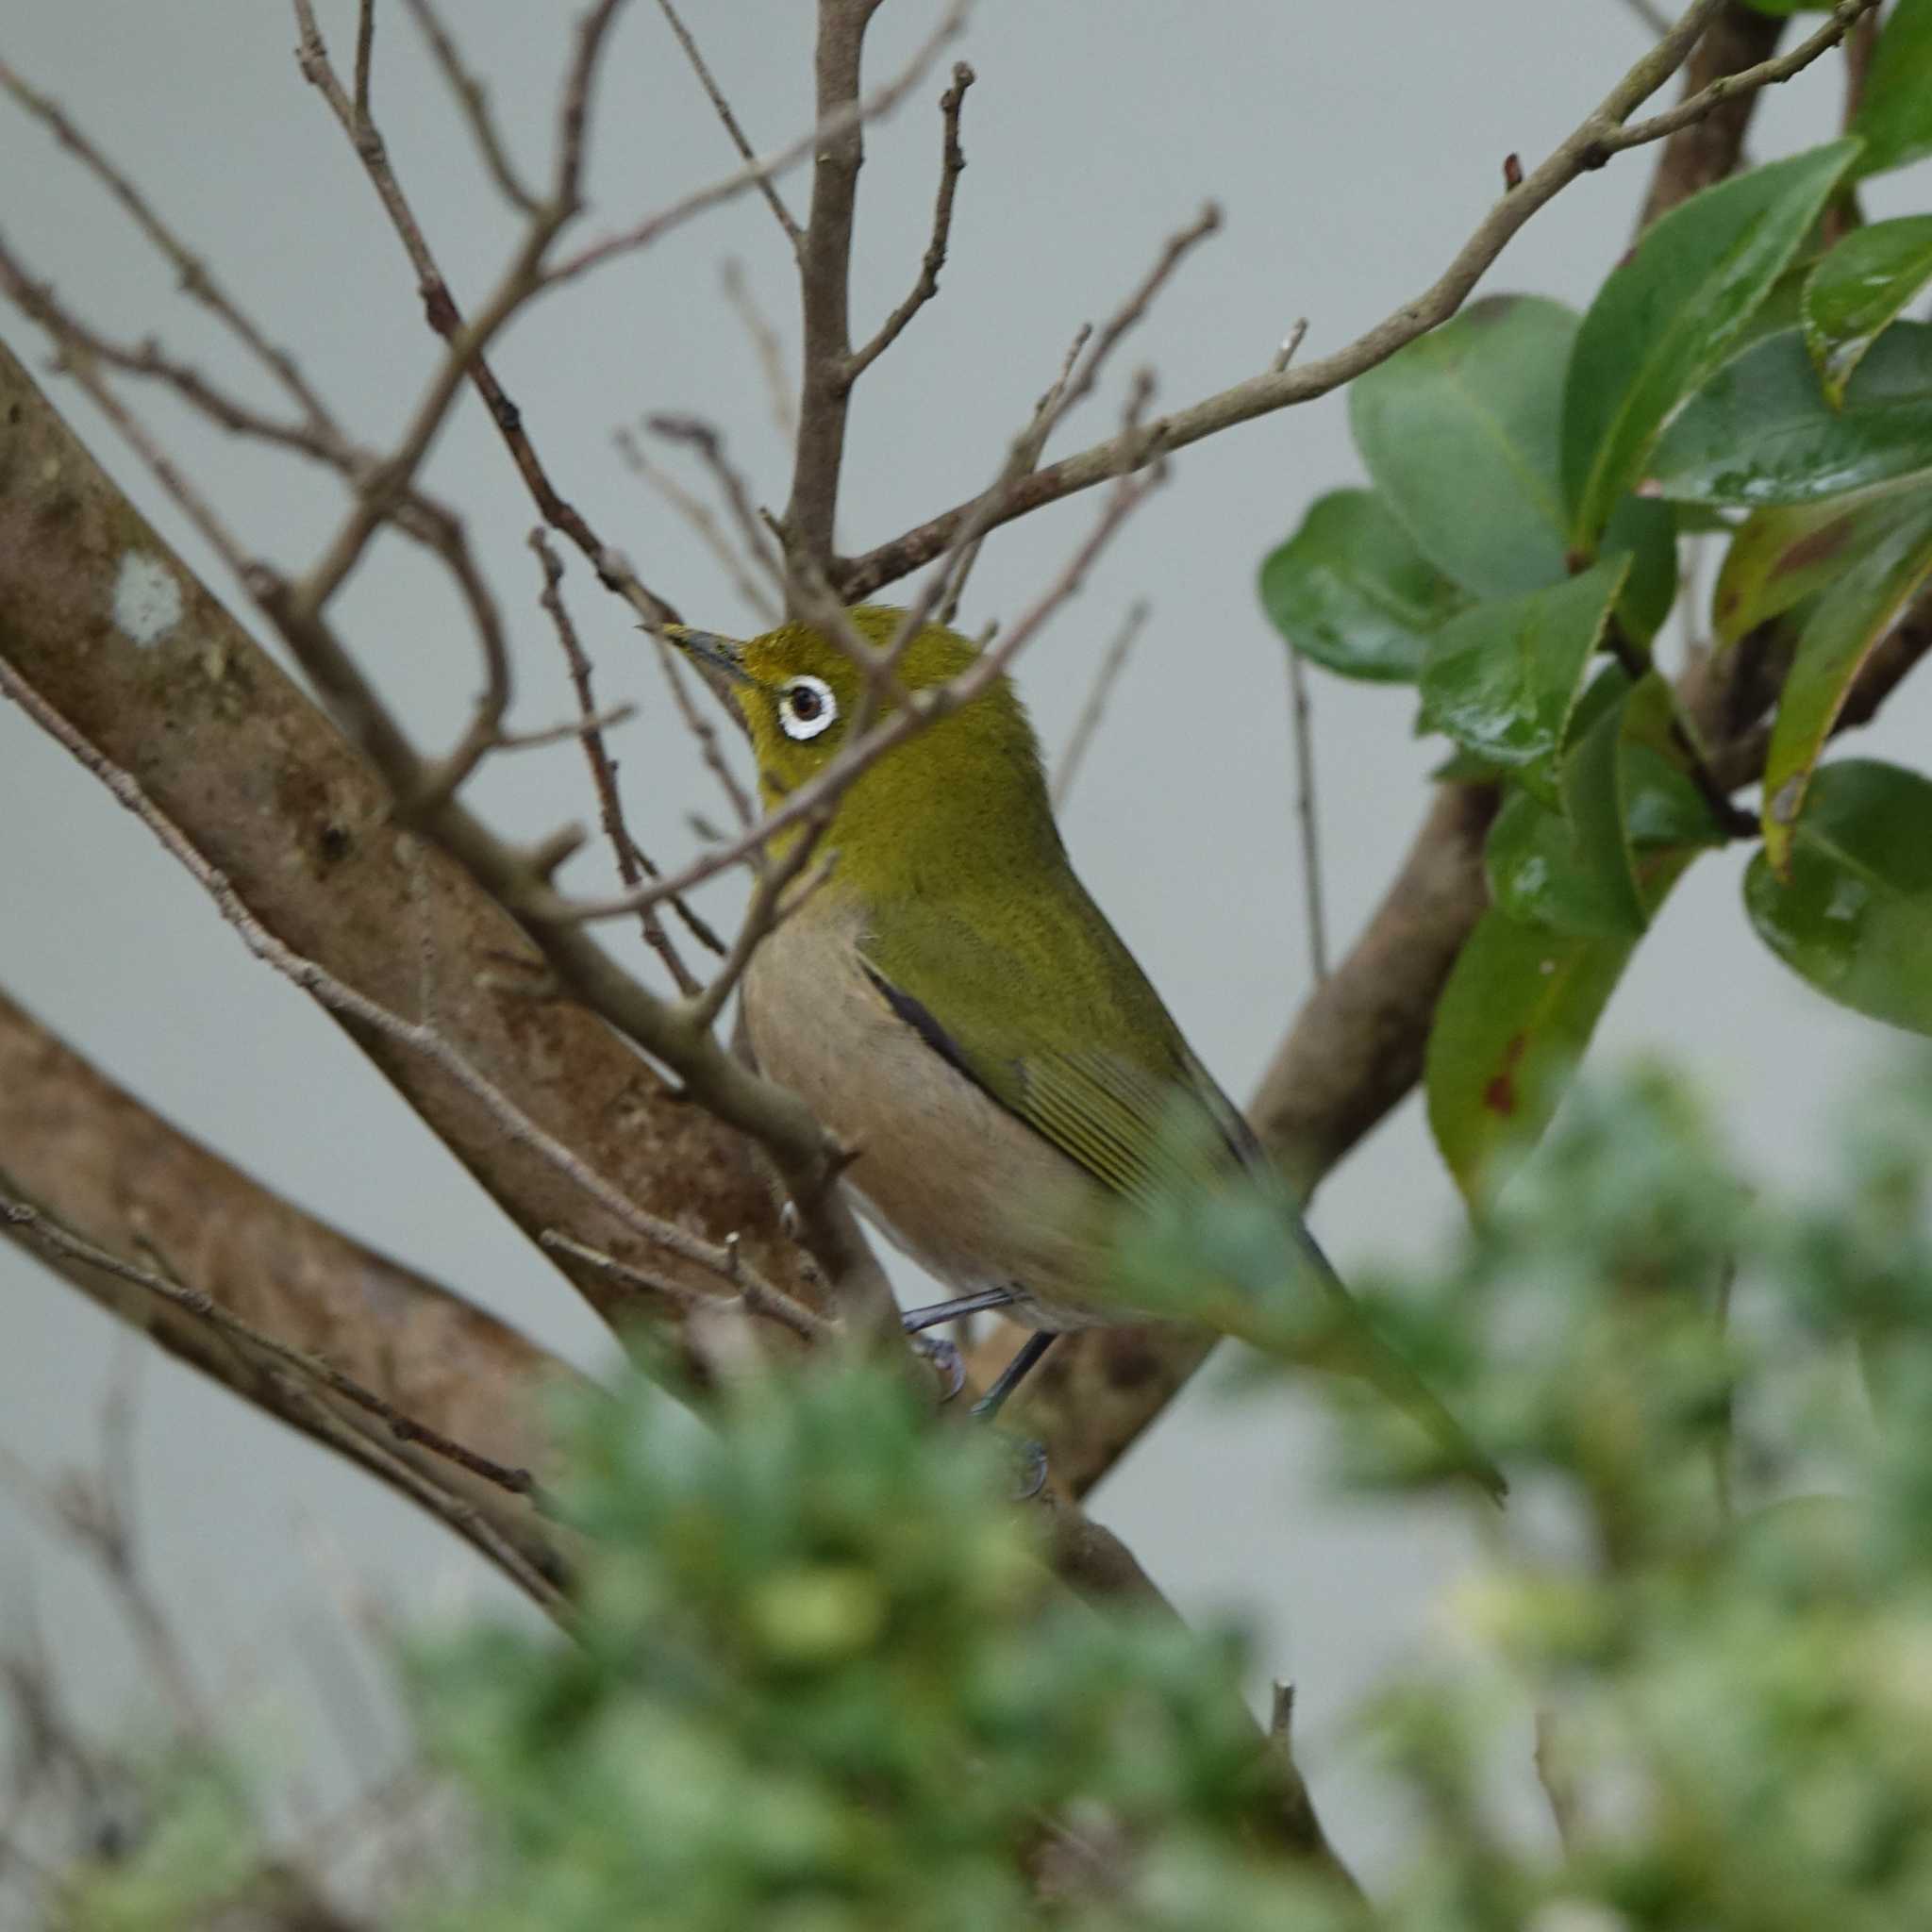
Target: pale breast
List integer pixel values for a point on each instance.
(972, 1194)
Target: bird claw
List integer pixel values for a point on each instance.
(945, 1361)
(1031, 1456)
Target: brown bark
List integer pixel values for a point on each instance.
(270, 794)
(1703, 154)
(104, 1167)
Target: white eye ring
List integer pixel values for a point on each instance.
(807, 706)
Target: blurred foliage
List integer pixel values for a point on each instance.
(823, 1681)
(1744, 377)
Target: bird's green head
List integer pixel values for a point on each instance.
(969, 773)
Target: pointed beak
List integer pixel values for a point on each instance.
(719, 654)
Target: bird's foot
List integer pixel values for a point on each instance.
(1031, 1461)
(944, 1359)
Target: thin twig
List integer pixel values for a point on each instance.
(472, 97)
(703, 440)
(765, 344)
(192, 272)
(1304, 812)
(365, 58)
(1602, 134)
(698, 515)
(726, 188)
(577, 728)
(1290, 344)
(45, 1232)
(613, 569)
(924, 709)
(1652, 16)
(794, 235)
(632, 865)
(951, 165)
(706, 734)
(1105, 678)
(768, 909)
(758, 1296)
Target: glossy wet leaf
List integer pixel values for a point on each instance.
(1859, 290)
(1540, 874)
(1855, 916)
(1631, 820)
(1351, 590)
(1782, 558)
(1647, 531)
(1895, 116)
(1762, 430)
(1667, 319)
(1503, 678)
(1850, 619)
(1460, 430)
(1510, 1026)
(1664, 819)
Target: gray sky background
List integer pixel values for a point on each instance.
(1352, 149)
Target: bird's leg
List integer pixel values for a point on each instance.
(945, 1359)
(1032, 1455)
(913, 1319)
(1015, 1373)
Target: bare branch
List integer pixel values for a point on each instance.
(769, 909)
(704, 441)
(365, 57)
(1304, 811)
(1601, 135)
(951, 165)
(729, 187)
(193, 273)
(756, 1295)
(471, 96)
(922, 709)
(1105, 678)
(824, 265)
(795, 236)
(706, 734)
(41, 1231)
(632, 865)
(468, 342)
(765, 346)
(698, 515)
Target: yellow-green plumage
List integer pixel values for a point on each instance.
(952, 1003)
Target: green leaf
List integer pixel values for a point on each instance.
(1511, 1024)
(1631, 820)
(1668, 318)
(1895, 116)
(1762, 431)
(1502, 680)
(1351, 590)
(1781, 558)
(1459, 432)
(1855, 916)
(1665, 819)
(1647, 531)
(1857, 290)
(1852, 615)
(1539, 875)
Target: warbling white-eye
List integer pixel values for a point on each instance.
(950, 1002)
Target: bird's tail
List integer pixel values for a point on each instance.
(1351, 1347)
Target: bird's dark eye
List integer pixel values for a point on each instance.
(806, 708)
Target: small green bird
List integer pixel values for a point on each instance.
(950, 1002)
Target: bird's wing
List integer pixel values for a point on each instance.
(1055, 1021)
